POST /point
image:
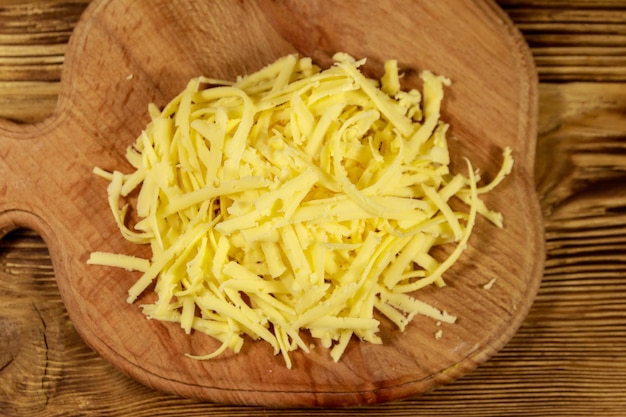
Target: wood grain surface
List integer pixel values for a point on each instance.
(569, 356)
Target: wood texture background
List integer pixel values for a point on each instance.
(569, 356)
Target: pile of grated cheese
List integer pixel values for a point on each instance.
(295, 199)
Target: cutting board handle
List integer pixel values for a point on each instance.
(47, 166)
(26, 153)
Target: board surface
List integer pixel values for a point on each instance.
(124, 55)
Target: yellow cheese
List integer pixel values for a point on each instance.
(130, 263)
(293, 200)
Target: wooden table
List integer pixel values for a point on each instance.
(569, 356)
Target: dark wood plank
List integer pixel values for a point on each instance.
(581, 40)
(33, 38)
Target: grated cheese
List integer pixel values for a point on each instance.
(295, 200)
(490, 284)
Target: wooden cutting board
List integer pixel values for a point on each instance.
(125, 54)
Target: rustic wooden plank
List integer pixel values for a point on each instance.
(555, 18)
(573, 40)
(33, 38)
(28, 101)
(572, 4)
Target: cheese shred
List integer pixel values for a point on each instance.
(295, 200)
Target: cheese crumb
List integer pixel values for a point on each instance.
(489, 285)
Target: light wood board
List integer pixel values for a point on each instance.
(125, 54)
